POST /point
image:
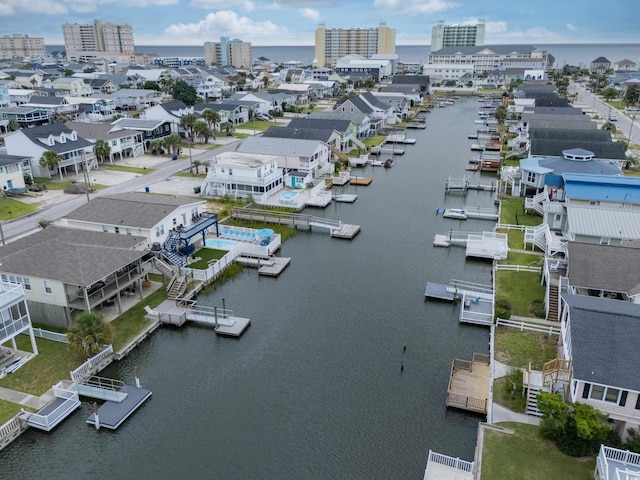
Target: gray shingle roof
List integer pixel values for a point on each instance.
(604, 340)
(356, 118)
(11, 159)
(77, 257)
(279, 146)
(142, 210)
(96, 131)
(320, 123)
(604, 267)
(55, 129)
(300, 133)
(555, 147)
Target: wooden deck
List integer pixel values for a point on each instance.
(469, 384)
(363, 181)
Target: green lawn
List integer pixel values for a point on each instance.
(517, 348)
(127, 168)
(51, 183)
(133, 321)
(206, 255)
(502, 391)
(192, 175)
(512, 213)
(53, 363)
(525, 455)
(517, 258)
(374, 140)
(520, 288)
(11, 208)
(8, 410)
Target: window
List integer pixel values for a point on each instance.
(605, 241)
(48, 289)
(128, 231)
(612, 395)
(638, 402)
(597, 392)
(594, 203)
(26, 283)
(105, 229)
(117, 229)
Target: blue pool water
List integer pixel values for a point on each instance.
(220, 244)
(288, 195)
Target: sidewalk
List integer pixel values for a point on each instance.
(25, 399)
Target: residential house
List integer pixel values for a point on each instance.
(242, 175)
(150, 129)
(380, 113)
(25, 116)
(329, 136)
(600, 66)
(211, 88)
(5, 98)
(122, 142)
(398, 102)
(602, 191)
(56, 106)
(599, 336)
(170, 112)
(615, 464)
(96, 108)
(74, 152)
(310, 157)
(14, 318)
(19, 96)
(421, 80)
(605, 226)
(379, 68)
(553, 142)
(66, 271)
(145, 215)
(362, 121)
(234, 112)
(346, 130)
(300, 93)
(11, 174)
(150, 74)
(75, 87)
(410, 92)
(26, 78)
(625, 65)
(102, 85)
(604, 271)
(262, 102)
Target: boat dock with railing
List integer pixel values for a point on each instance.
(469, 384)
(476, 299)
(178, 312)
(483, 245)
(444, 467)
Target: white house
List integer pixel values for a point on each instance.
(74, 152)
(122, 142)
(11, 173)
(168, 112)
(242, 174)
(14, 317)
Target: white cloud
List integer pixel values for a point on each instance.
(149, 3)
(227, 23)
(301, 3)
(47, 7)
(244, 5)
(499, 33)
(571, 27)
(310, 13)
(413, 6)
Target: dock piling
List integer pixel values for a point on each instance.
(95, 414)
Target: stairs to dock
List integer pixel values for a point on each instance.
(552, 312)
(177, 287)
(532, 401)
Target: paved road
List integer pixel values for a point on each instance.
(28, 223)
(603, 110)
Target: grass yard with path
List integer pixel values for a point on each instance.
(128, 325)
(8, 410)
(517, 348)
(525, 455)
(129, 169)
(521, 289)
(11, 208)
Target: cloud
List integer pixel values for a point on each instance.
(226, 23)
(310, 13)
(413, 6)
(571, 27)
(244, 5)
(47, 7)
(301, 3)
(500, 33)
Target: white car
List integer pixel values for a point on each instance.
(613, 118)
(265, 117)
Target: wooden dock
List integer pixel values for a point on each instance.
(469, 384)
(274, 266)
(462, 185)
(112, 414)
(363, 181)
(346, 231)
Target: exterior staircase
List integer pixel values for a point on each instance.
(552, 311)
(177, 287)
(532, 401)
(537, 236)
(536, 202)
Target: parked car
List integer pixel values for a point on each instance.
(613, 118)
(264, 117)
(632, 109)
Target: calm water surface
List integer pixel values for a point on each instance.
(313, 389)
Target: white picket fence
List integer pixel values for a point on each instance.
(49, 335)
(530, 326)
(518, 268)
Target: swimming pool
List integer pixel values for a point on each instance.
(288, 195)
(220, 244)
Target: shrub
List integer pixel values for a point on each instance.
(503, 308)
(536, 308)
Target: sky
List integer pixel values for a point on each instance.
(293, 22)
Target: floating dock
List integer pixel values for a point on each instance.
(364, 181)
(476, 299)
(274, 266)
(439, 292)
(345, 197)
(112, 414)
(416, 124)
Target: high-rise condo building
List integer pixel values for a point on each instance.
(86, 42)
(17, 45)
(335, 43)
(228, 52)
(457, 35)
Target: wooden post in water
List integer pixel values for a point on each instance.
(135, 374)
(215, 315)
(95, 415)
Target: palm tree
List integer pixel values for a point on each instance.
(50, 160)
(202, 130)
(89, 333)
(44, 223)
(102, 149)
(197, 164)
(13, 125)
(172, 143)
(187, 122)
(156, 147)
(212, 118)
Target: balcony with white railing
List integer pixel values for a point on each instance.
(445, 467)
(10, 293)
(615, 464)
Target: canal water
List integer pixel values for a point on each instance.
(314, 389)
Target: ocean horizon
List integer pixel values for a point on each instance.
(576, 54)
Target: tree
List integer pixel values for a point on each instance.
(13, 125)
(187, 122)
(102, 149)
(202, 130)
(68, 72)
(578, 429)
(89, 333)
(166, 84)
(610, 93)
(197, 164)
(156, 147)
(265, 81)
(183, 91)
(151, 85)
(212, 118)
(50, 160)
(172, 143)
(500, 113)
(632, 95)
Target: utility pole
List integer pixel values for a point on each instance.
(86, 173)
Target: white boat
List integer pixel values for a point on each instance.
(377, 163)
(455, 213)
